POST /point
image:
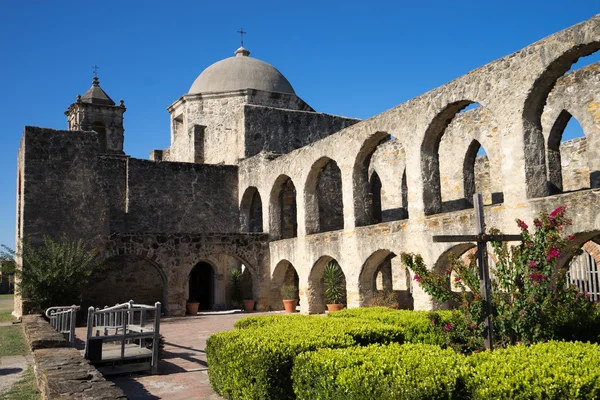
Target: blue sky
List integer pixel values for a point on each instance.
(353, 58)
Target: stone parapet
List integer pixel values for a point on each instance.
(40, 334)
(61, 371)
(65, 374)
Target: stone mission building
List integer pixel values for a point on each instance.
(255, 179)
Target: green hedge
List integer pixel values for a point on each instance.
(256, 360)
(410, 371)
(553, 370)
(416, 325)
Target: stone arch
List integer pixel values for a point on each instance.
(430, 167)
(442, 265)
(364, 209)
(375, 195)
(553, 152)
(127, 277)
(323, 197)
(223, 263)
(283, 209)
(383, 272)
(533, 138)
(581, 263)
(251, 211)
(478, 176)
(315, 290)
(100, 128)
(283, 274)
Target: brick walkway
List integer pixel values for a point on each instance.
(183, 369)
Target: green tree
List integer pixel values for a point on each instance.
(531, 301)
(54, 273)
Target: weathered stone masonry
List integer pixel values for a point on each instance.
(322, 187)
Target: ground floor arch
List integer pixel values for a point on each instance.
(284, 275)
(316, 288)
(385, 281)
(127, 277)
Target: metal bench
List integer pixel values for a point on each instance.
(118, 337)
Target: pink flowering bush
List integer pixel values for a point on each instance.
(530, 299)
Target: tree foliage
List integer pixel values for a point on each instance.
(531, 301)
(54, 273)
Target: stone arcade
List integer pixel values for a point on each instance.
(254, 178)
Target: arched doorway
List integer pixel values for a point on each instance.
(202, 285)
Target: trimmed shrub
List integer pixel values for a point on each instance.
(256, 360)
(416, 325)
(258, 322)
(553, 370)
(410, 371)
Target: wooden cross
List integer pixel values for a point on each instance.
(242, 33)
(95, 69)
(482, 260)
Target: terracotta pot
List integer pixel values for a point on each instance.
(290, 305)
(249, 305)
(334, 307)
(192, 308)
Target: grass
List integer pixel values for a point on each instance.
(24, 389)
(12, 341)
(6, 316)
(6, 296)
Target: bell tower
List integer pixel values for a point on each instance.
(96, 111)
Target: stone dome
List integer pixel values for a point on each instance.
(241, 72)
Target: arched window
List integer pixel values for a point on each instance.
(100, 128)
(577, 174)
(324, 203)
(430, 159)
(375, 194)
(251, 211)
(283, 217)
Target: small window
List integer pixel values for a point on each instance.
(100, 129)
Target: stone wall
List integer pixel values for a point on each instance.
(281, 131)
(575, 169)
(62, 181)
(575, 164)
(181, 197)
(123, 278)
(436, 135)
(222, 115)
(62, 372)
(175, 255)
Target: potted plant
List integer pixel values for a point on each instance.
(192, 306)
(333, 285)
(236, 287)
(248, 305)
(289, 295)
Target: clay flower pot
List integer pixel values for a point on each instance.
(249, 305)
(192, 307)
(290, 305)
(334, 307)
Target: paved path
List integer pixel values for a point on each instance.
(11, 370)
(183, 369)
